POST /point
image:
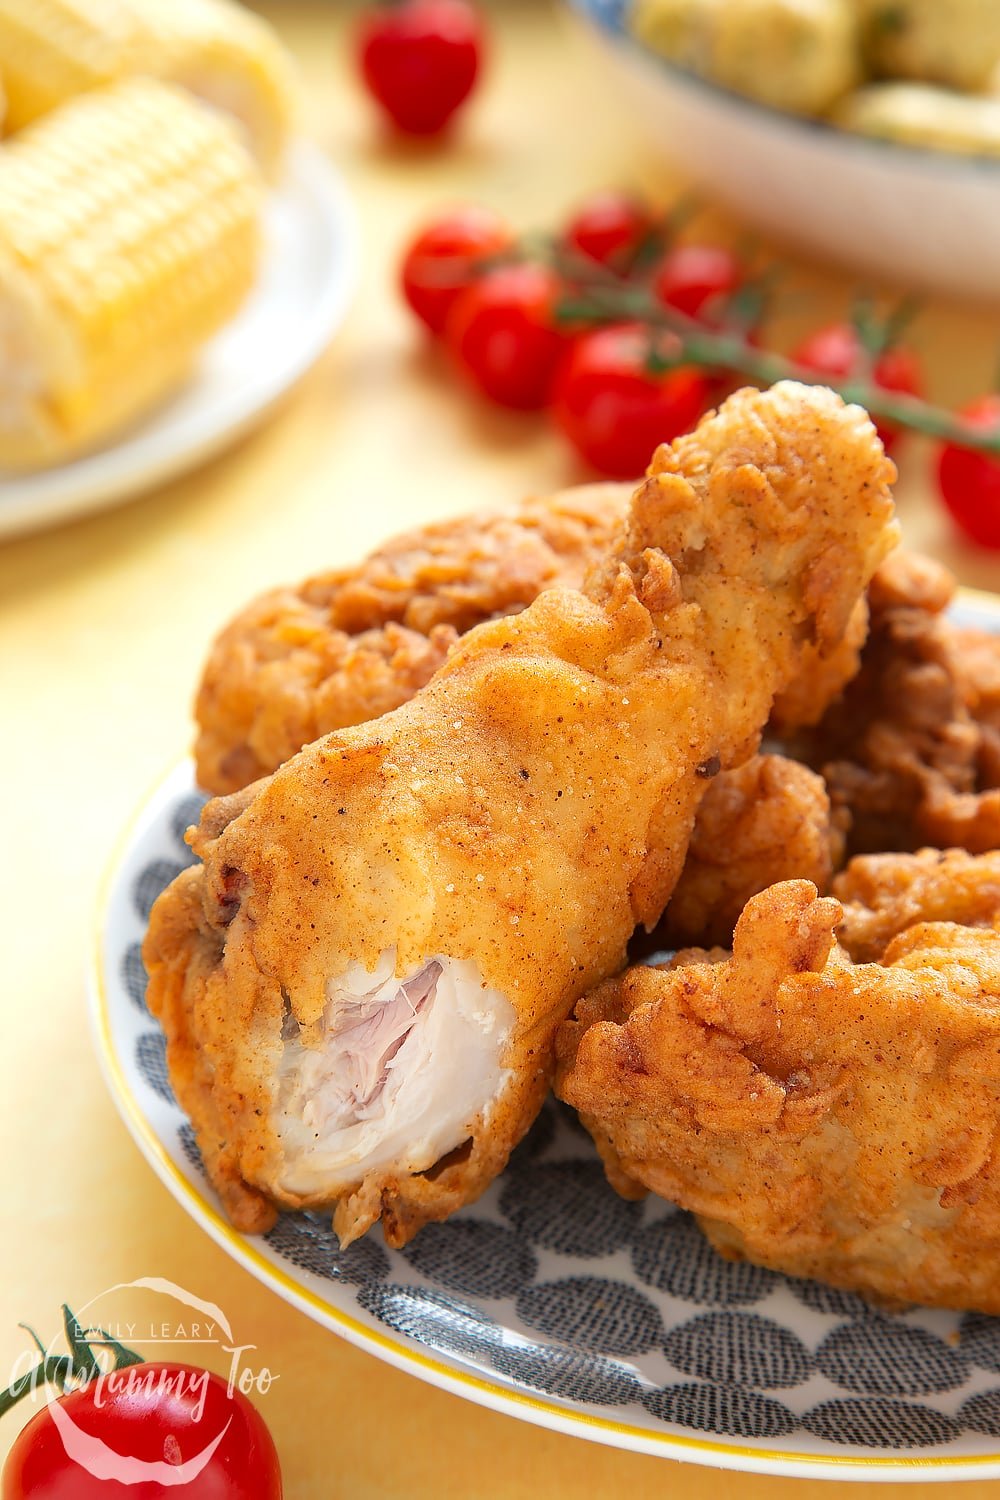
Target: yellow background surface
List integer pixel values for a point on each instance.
(103, 626)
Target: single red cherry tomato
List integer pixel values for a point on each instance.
(609, 228)
(837, 353)
(445, 258)
(970, 481)
(118, 1435)
(503, 332)
(615, 408)
(420, 59)
(694, 277)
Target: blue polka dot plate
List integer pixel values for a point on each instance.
(555, 1301)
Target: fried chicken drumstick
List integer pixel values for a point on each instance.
(351, 644)
(361, 985)
(823, 1118)
(348, 645)
(356, 642)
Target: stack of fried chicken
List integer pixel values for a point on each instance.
(457, 778)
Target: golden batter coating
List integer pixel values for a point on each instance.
(362, 984)
(826, 1119)
(977, 654)
(902, 749)
(823, 677)
(884, 894)
(766, 821)
(353, 643)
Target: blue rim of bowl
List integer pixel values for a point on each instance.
(608, 19)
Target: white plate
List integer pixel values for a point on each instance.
(554, 1300)
(305, 287)
(919, 217)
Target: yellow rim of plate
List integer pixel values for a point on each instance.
(446, 1377)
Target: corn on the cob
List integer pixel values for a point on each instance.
(129, 233)
(53, 49)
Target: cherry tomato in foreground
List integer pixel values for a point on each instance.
(608, 228)
(102, 1441)
(420, 60)
(837, 352)
(970, 481)
(692, 277)
(503, 333)
(443, 260)
(614, 409)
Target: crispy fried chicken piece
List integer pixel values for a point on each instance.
(903, 750)
(352, 644)
(822, 1118)
(977, 653)
(823, 678)
(884, 894)
(361, 986)
(768, 820)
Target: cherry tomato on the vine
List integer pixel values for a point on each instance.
(616, 406)
(420, 59)
(694, 277)
(836, 351)
(118, 1427)
(609, 228)
(970, 481)
(504, 334)
(446, 257)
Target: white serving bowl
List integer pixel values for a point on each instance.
(928, 219)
